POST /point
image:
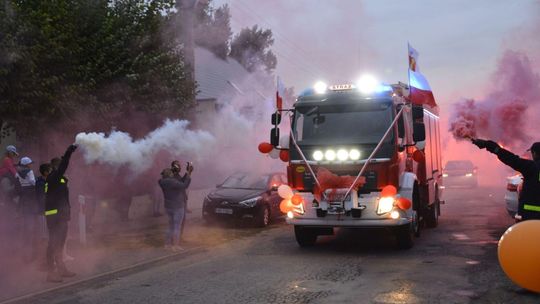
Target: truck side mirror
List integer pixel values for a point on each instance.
(276, 119)
(274, 137)
(419, 131)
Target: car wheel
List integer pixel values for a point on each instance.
(305, 237)
(405, 236)
(263, 218)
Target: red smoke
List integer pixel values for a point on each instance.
(503, 114)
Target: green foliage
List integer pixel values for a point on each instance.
(251, 47)
(213, 28)
(100, 57)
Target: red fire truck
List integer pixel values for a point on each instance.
(371, 132)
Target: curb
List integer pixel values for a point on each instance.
(108, 275)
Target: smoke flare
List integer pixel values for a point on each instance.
(120, 149)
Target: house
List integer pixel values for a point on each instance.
(226, 82)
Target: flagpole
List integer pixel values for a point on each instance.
(409, 66)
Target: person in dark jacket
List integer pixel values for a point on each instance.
(58, 214)
(176, 168)
(529, 198)
(174, 196)
(28, 208)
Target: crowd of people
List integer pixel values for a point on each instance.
(40, 203)
(33, 204)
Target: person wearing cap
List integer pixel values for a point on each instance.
(529, 197)
(29, 209)
(8, 163)
(57, 215)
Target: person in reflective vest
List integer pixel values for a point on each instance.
(57, 215)
(529, 198)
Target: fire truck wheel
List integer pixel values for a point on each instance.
(263, 217)
(305, 237)
(432, 218)
(405, 236)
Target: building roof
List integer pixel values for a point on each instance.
(217, 78)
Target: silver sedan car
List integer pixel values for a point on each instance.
(513, 187)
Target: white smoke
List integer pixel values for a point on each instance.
(120, 149)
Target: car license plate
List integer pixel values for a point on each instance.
(224, 211)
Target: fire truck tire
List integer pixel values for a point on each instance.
(405, 236)
(432, 218)
(305, 237)
(433, 211)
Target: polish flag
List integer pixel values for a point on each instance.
(420, 91)
(279, 94)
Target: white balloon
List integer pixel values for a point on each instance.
(284, 141)
(274, 153)
(285, 192)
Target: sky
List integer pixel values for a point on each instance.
(336, 41)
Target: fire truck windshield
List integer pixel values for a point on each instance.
(343, 124)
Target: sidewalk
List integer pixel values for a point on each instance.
(110, 248)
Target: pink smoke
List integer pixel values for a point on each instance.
(503, 114)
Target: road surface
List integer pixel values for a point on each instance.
(454, 263)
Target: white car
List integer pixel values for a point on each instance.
(513, 188)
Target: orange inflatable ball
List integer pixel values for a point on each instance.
(265, 147)
(284, 155)
(285, 206)
(403, 203)
(388, 191)
(519, 254)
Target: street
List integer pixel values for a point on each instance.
(453, 263)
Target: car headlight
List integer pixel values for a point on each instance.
(251, 202)
(445, 175)
(386, 204)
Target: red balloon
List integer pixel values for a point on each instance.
(389, 191)
(285, 206)
(418, 156)
(265, 147)
(284, 155)
(404, 203)
(297, 199)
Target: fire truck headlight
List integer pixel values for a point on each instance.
(318, 155)
(320, 87)
(290, 214)
(386, 204)
(342, 155)
(394, 215)
(330, 155)
(354, 154)
(367, 84)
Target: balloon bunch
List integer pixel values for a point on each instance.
(273, 152)
(289, 199)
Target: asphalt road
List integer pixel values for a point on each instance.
(454, 263)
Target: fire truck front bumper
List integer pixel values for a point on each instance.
(348, 222)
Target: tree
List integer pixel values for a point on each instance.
(65, 58)
(251, 47)
(213, 28)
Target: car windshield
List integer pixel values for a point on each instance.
(459, 165)
(342, 124)
(246, 181)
